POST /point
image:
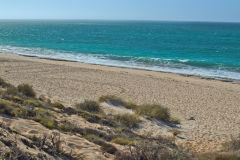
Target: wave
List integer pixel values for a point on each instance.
(180, 66)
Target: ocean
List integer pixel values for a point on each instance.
(204, 49)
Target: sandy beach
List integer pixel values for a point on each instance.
(214, 104)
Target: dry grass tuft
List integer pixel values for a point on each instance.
(128, 120)
(27, 90)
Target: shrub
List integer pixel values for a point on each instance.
(45, 121)
(66, 126)
(146, 150)
(154, 111)
(70, 111)
(17, 99)
(106, 147)
(11, 109)
(57, 105)
(31, 102)
(92, 137)
(12, 91)
(90, 117)
(129, 120)
(122, 141)
(3, 84)
(218, 156)
(233, 145)
(89, 106)
(27, 90)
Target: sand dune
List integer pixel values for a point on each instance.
(214, 104)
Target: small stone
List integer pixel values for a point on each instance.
(192, 118)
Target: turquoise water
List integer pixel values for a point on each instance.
(205, 49)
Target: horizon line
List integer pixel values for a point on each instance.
(68, 19)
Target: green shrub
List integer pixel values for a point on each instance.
(154, 111)
(89, 106)
(31, 102)
(27, 90)
(3, 84)
(92, 137)
(106, 147)
(90, 117)
(68, 127)
(17, 99)
(11, 90)
(129, 120)
(11, 109)
(122, 141)
(57, 105)
(46, 121)
(218, 156)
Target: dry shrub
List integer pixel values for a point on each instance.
(154, 111)
(27, 90)
(129, 120)
(145, 150)
(89, 106)
(122, 141)
(3, 83)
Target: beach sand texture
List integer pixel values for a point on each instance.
(214, 104)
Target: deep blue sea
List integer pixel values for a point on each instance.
(194, 48)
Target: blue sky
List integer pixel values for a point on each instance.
(172, 10)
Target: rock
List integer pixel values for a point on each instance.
(192, 119)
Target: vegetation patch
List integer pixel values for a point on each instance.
(3, 83)
(128, 120)
(233, 145)
(154, 111)
(122, 141)
(27, 90)
(31, 102)
(89, 106)
(57, 105)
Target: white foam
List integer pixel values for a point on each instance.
(132, 63)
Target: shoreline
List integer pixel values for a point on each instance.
(230, 80)
(214, 104)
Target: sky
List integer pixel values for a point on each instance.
(160, 10)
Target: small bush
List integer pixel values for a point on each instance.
(12, 91)
(129, 120)
(122, 141)
(90, 117)
(155, 111)
(27, 90)
(218, 156)
(31, 102)
(66, 127)
(57, 105)
(11, 109)
(89, 106)
(233, 145)
(149, 150)
(3, 84)
(70, 111)
(17, 99)
(45, 121)
(92, 137)
(106, 147)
